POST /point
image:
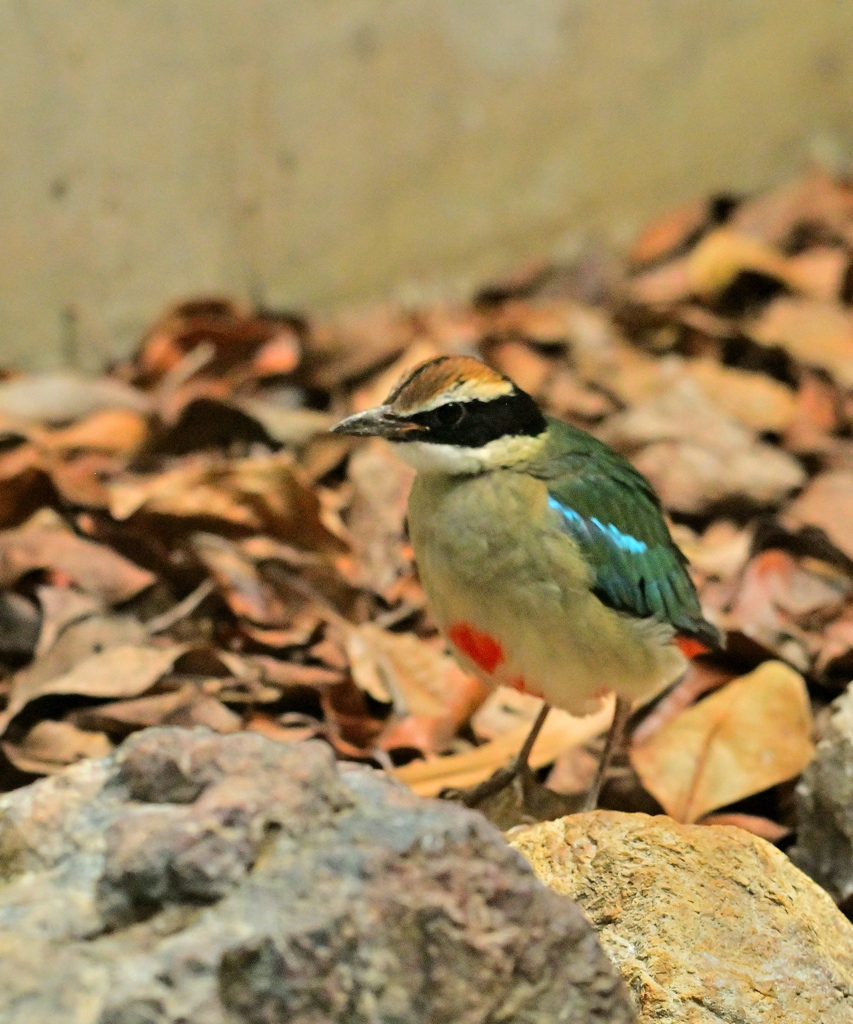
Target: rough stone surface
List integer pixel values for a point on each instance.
(706, 924)
(824, 797)
(232, 880)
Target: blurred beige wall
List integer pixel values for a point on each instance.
(313, 152)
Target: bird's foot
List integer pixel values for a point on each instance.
(473, 796)
(518, 768)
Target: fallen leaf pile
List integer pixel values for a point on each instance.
(182, 541)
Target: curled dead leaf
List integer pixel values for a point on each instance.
(828, 503)
(51, 746)
(696, 455)
(717, 259)
(246, 592)
(263, 493)
(417, 678)
(748, 736)
(122, 671)
(117, 431)
(814, 333)
(45, 542)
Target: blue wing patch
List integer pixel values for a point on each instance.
(622, 540)
(642, 577)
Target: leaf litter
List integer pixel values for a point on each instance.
(181, 540)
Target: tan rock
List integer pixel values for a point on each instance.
(706, 924)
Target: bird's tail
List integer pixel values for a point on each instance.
(701, 640)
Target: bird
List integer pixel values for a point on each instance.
(544, 555)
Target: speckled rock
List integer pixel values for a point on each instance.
(824, 798)
(207, 879)
(706, 924)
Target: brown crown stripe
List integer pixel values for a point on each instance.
(436, 376)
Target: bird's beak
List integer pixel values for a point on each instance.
(378, 422)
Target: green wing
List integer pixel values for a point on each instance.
(611, 511)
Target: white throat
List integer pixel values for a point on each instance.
(454, 460)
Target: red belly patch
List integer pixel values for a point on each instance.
(690, 647)
(482, 649)
(519, 684)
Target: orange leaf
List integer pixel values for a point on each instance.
(750, 735)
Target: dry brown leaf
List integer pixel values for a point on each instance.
(45, 542)
(77, 640)
(753, 399)
(669, 232)
(284, 732)
(688, 477)
(60, 607)
(230, 332)
(752, 734)
(763, 827)
(203, 709)
(377, 515)
(117, 431)
(574, 772)
(778, 591)
(819, 272)
(502, 711)
(291, 427)
(20, 626)
(287, 673)
(51, 746)
(815, 333)
(717, 259)
(550, 322)
(80, 478)
(419, 679)
(828, 503)
(560, 731)
(379, 387)
(122, 717)
(519, 361)
(246, 592)
(623, 371)
(263, 493)
(699, 679)
(814, 198)
(834, 644)
(817, 414)
(278, 356)
(122, 671)
(63, 396)
(696, 455)
(304, 625)
(661, 285)
(568, 397)
(352, 730)
(25, 484)
(722, 550)
(77, 636)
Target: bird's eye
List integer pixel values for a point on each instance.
(451, 414)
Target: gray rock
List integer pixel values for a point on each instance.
(824, 799)
(231, 880)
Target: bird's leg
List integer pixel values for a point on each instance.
(621, 714)
(503, 777)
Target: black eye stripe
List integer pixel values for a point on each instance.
(512, 415)
(450, 414)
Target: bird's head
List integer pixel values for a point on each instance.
(455, 415)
